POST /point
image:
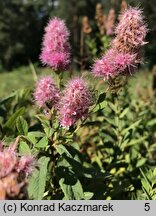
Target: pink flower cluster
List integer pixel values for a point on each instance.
(75, 102)
(71, 106)
(113, 63)
(124, 53)
(46, 93)
(130, 32)
(55, 48)
(10, 162)
(26, 164)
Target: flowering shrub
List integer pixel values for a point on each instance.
(88, 142)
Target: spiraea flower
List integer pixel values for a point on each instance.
(123, 7)
(75, 102)
(55, 47)
(26, 164)
(14, 171)
(46, 93)
(130, 32)
(124, 54)
(113, 63)
(8, 161)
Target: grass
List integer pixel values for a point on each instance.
(18, 78)
(140, 86)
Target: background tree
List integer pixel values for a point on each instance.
(21, 28)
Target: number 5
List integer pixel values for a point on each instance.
(147, 207)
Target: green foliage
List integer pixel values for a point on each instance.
(148, 182)
(22, 126)
(38, 180)
(109, 155)
(97, 45)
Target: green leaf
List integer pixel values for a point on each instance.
(146, 185)
(70, 152)
(6, 99)
(61, 149)
(67, 171)
(24, 148)
(132, 126)
(151, 122)
(22, 126)
(68, 180)
(72, 192)
(37, 182)
(46, 125)
(88, 195)
(31, 137)
(110, 121)
(100, 106)
(23, 94)
(101, 98)
(48, 131)
(137, 141)
(124, 112)
(113, 106)
(141, 162)
(42, 143)
(12, 120)
(37, 134)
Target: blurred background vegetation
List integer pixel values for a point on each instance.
(22, 24)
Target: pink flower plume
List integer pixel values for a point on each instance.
(55, 47)
(112, 63)
(75, 102)
(46, 92)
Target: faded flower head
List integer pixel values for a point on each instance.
(46, 93)
(26, 164)
(10, 187)
(75, 102)
(130, 32)
(113, 63)
(86, 28)
(55, 47)
(110, 22)
(11, 168)
(8, 161)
